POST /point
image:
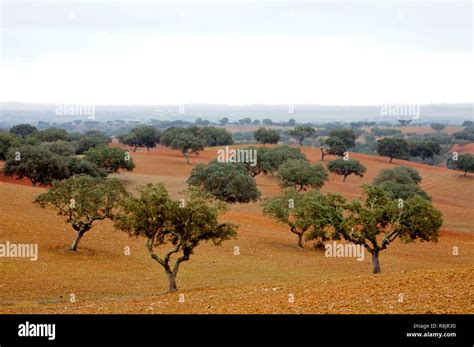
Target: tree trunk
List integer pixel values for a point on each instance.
(300, 240)
(79, 236)
(322, 156)
(344, 179)
(186, 155)
(172, 281)
(390, 159)
(465, 173)
(375, 262)
(301, 142)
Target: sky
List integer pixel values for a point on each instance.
(236, 52)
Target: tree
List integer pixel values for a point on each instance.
(36, 163)
(404, 122)
(332, 146)
(7, 141)
(78, 166)
(228, 182)
(147, 137)
(401, 182)
(291, 122)
(309, 213)
(112, 160)
(347, 167)
(23, 130)
(392, 148)
(465, 163)
(224, 121)
(302, 132)
(187, 143)
(62, 148)
(213, 136)
(90, 140)
(347, 136)
(300, 173)
(51, 135)
(264, 136)
(268, 161)
(424, 149)
(438, 126)
(412, 219)
(245, 120)
(163, 221)
(83, 200)
(467, 123)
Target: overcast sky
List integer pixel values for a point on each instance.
(240, 52)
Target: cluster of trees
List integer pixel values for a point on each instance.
(153, 214)
(374, 223)
(43, 156)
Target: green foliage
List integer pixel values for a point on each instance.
(466, 134)
(51, 135)
(379, 214)
(187, 143)
(112, 160)
(392, 148)
(346, 135)
(332, 146)
(36, 163)
(228, 182)
(215, 136)
(90, 140)
(300, 173)
(465, 163)
(438, 126)
(423, 149)
(265, 136)
(163, 221)
(309, 213)
(147, 137)
(23, 130)
(385, 132)
(78, 166)
(347, 167)
(62, 148)
(7, 141)
(224, 121)
(302, 132)
(83, 200)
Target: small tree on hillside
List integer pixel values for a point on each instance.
(465, 163)
(438, 126)
(309, 213)
(265, 136)
(228, 182)
(187, 143)
(83, 200)
(301, 174)
(348, 136)
(379, 215)
(347, 167)
(401, 182)
(423, 149)
(112, 160)
(332, 146)
(6, 142)
(23, 130)
(36, 163)
(302, 132)
(163, 221)
(147, 137)
(392, 148)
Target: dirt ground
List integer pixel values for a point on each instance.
(268, 274)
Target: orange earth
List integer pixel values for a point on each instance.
(268, 274)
